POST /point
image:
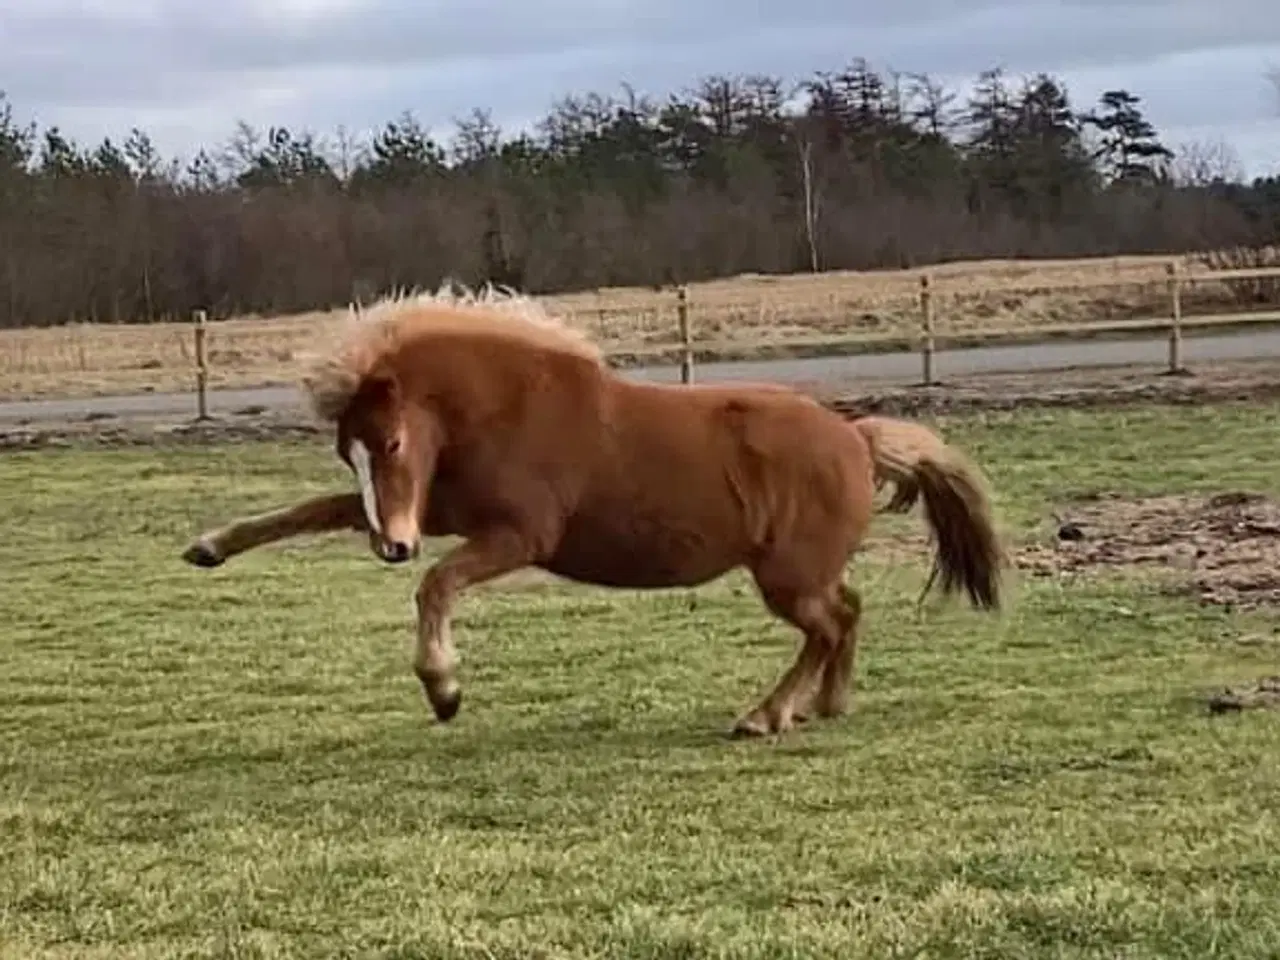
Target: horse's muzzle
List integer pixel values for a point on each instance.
(394, 551)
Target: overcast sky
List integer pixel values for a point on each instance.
(187, 70)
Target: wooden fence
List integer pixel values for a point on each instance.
(929, 336)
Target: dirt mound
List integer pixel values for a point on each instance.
(1224, 548)
(1246, 381)
(1261, 694)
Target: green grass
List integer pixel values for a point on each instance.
(238, 763)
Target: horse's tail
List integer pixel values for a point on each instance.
(956, 505)
(897, 437)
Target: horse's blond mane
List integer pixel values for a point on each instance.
(369, 335)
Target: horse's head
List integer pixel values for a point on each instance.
(388, 445)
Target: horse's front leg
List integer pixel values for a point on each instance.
(341, 511)
(481, 558)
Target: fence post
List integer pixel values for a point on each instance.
(1175, 320)
(926, 330)
(686, 335)
(202, 367)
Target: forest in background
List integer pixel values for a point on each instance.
(851, 169)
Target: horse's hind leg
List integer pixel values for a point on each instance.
(827, 694)
(821, 618)
(342, 511)
(838, 672)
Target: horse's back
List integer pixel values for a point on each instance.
(731, 419)
(774, 448)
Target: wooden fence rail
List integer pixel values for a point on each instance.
(686, 347)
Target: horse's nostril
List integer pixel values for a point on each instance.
(397, 551)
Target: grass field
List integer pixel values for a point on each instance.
(238, 763)
(731, 317)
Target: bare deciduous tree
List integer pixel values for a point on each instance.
(1198, 163)
(812, 199)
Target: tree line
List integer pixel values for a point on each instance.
(849, 169)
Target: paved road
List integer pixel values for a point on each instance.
(882, 368)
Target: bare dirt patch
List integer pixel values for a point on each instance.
(1263, 694)
(1227, 381)
(1223, 548)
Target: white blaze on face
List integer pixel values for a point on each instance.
(359, 454)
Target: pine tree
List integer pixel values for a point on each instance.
(1129, 148)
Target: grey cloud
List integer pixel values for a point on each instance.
(238, 35)
(45, 49)
(362, 62)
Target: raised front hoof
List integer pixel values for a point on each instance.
(447, 708)
(444, 703)
(202, 554)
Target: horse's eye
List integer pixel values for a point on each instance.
(393, 446)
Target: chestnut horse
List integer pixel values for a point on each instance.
(479, 416)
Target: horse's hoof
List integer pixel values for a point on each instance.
(751, 726)
(447, 707)
(202, 554)
(444, 694)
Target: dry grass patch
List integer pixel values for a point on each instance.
(731, 316)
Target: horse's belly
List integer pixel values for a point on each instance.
(641, 558)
